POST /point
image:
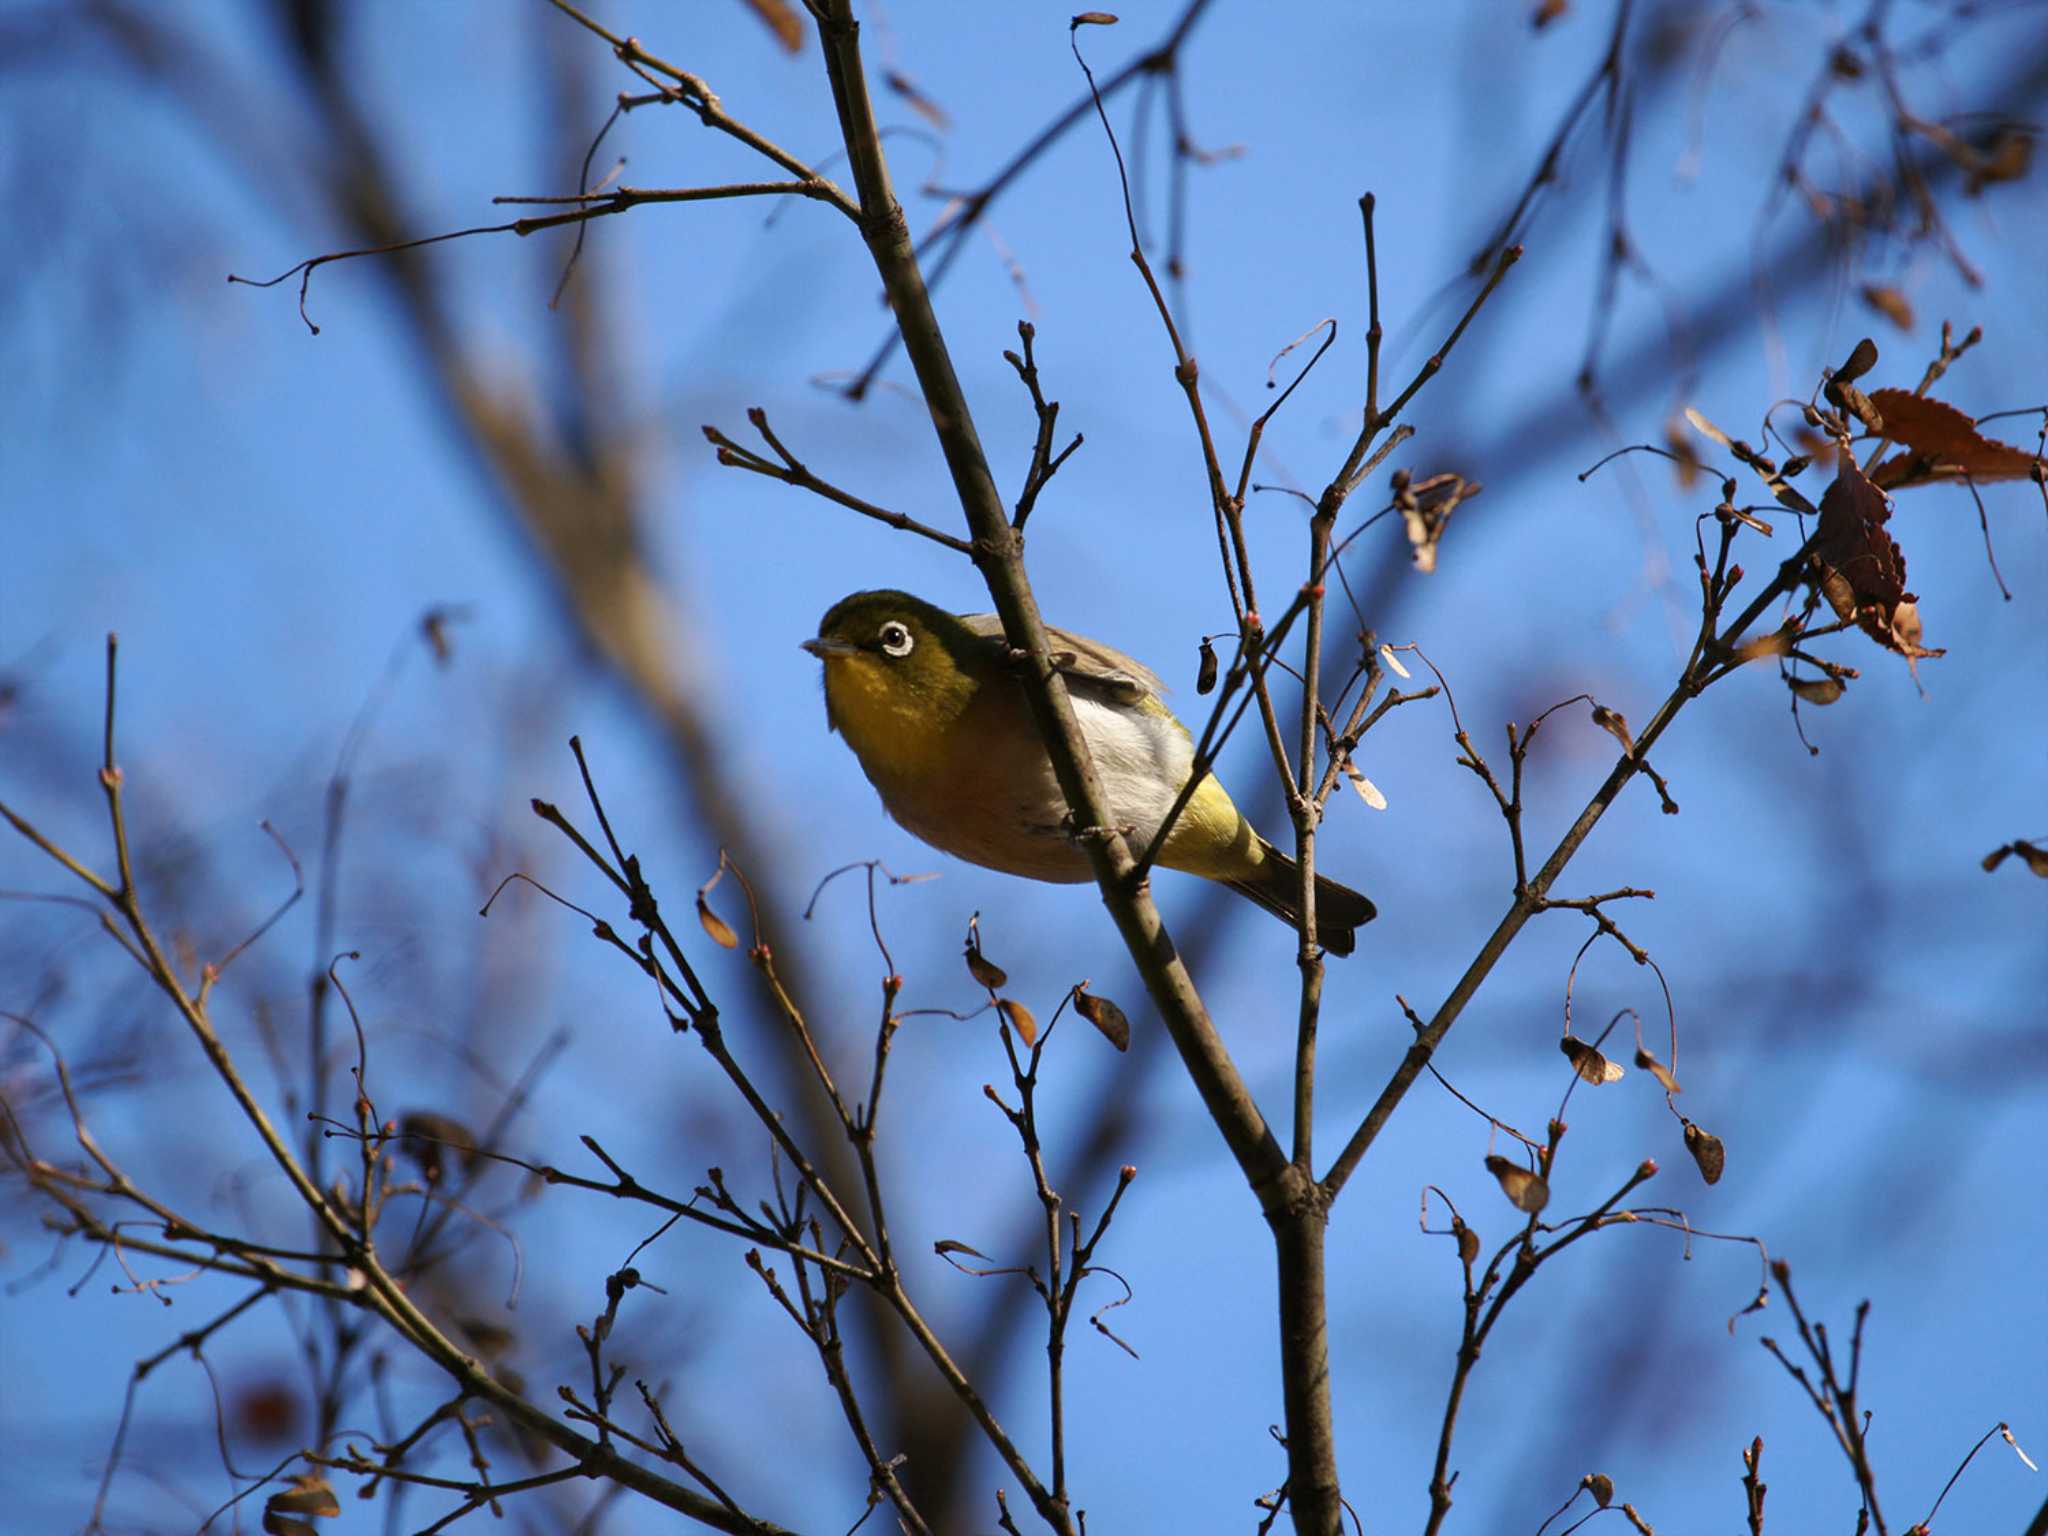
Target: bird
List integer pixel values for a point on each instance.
(933, 706)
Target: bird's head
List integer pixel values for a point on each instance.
(897, 669)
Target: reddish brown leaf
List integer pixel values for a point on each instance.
(1685, 457)
(1019, 1018)
(919, 103)
(719, 929)
(947, 1245)
(1614, 724)
(1862, 571)
(1816, 690)
(985, 971)
(1657, 1069)
(1942, 444)
(309, 1494)
(1890, 303)
(1105, 1016)
(1707, 1151)
(1525, 1191)
(1601, 1486)
(2032, 855)
(1588, 1062)
(780, 18)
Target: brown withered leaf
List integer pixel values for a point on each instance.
(1614, 724)
(1892, 304)
(918, 102)
(428, 1138)
(2033, 855)
(1816, 690)
(2009, 157)
(1526, 1191)
(717, 927)
(1601, 1486)
(1777, 643)
(1658, 1070)
(1685, 457)
(781, 18)
(1205, 676)
(1468, 1241)
(1707, 1151)
(947, 1245)
(1862, 569)
(1546, 12)
(1941, 443)
(1019, 1018)
(986, 972)
(1589, 1063)
(1105, 1016)
(309, 1494)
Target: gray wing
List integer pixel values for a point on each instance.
(1087, 665)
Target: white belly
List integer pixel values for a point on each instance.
(1002, 806)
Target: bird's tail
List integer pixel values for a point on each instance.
(1277, 887)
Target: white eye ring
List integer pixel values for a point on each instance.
(895, 639)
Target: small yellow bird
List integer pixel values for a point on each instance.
(932, 706)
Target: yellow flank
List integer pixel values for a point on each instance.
(1212, 837)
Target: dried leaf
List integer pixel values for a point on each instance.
(1601, 1486)
(1685, 457)
(716, 926)
(1942, 444)
(1546, 12)
(918, 102)
(1468, 1241)
(986, 972)
(427, 1138)
(780, 18)
(1658, 1070)
(1612, 722)
(1094, 19)
(1706, 428)
(309, 1494)
(1862, 569)
(947, 1245)
(2009, 158)
(1707, 1151)
(1426, 508)
(1816, 690)
(1893, 305)
(1393, 662)
(2033, 855)
(1205, 676)
(1589, 1063)
(275, 1524)
(1105, 1016)
(1368, 791)
(1019, 1018)
(491, 1339)
(1777, 643)
(1861, 360)
(1525, 1190)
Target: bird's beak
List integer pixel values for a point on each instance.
(825, 649)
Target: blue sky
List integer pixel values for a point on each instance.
(261, 513)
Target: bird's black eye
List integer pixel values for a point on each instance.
(895, 639)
